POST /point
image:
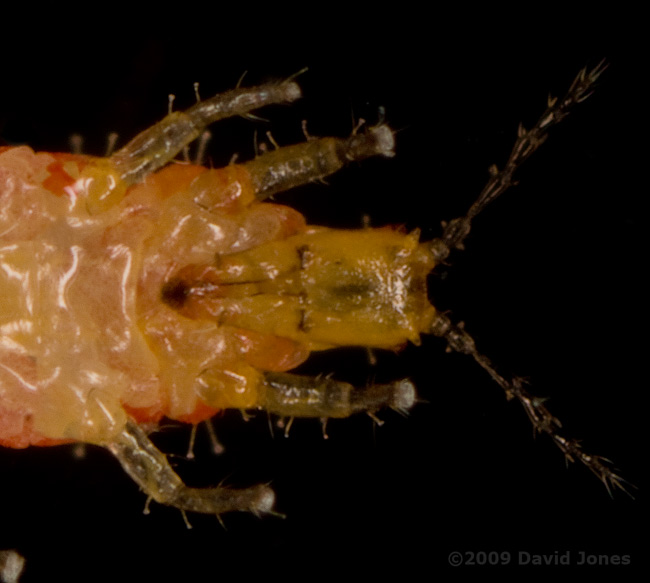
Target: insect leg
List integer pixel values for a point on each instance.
(542, 420)
(149, 468)
(291, 395)
(292, 166)
(528, 141)
(159, 144)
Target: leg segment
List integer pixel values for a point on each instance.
(292, 166)
(528, 141)
(290, 395)
(149, 468)
(158, 145)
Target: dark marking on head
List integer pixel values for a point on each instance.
(175, 293)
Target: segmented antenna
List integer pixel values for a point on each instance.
(453, 237)
(528, 141)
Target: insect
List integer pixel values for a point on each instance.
(135, 288)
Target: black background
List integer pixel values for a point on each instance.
(549, 286)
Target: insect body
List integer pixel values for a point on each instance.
(134, 290)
